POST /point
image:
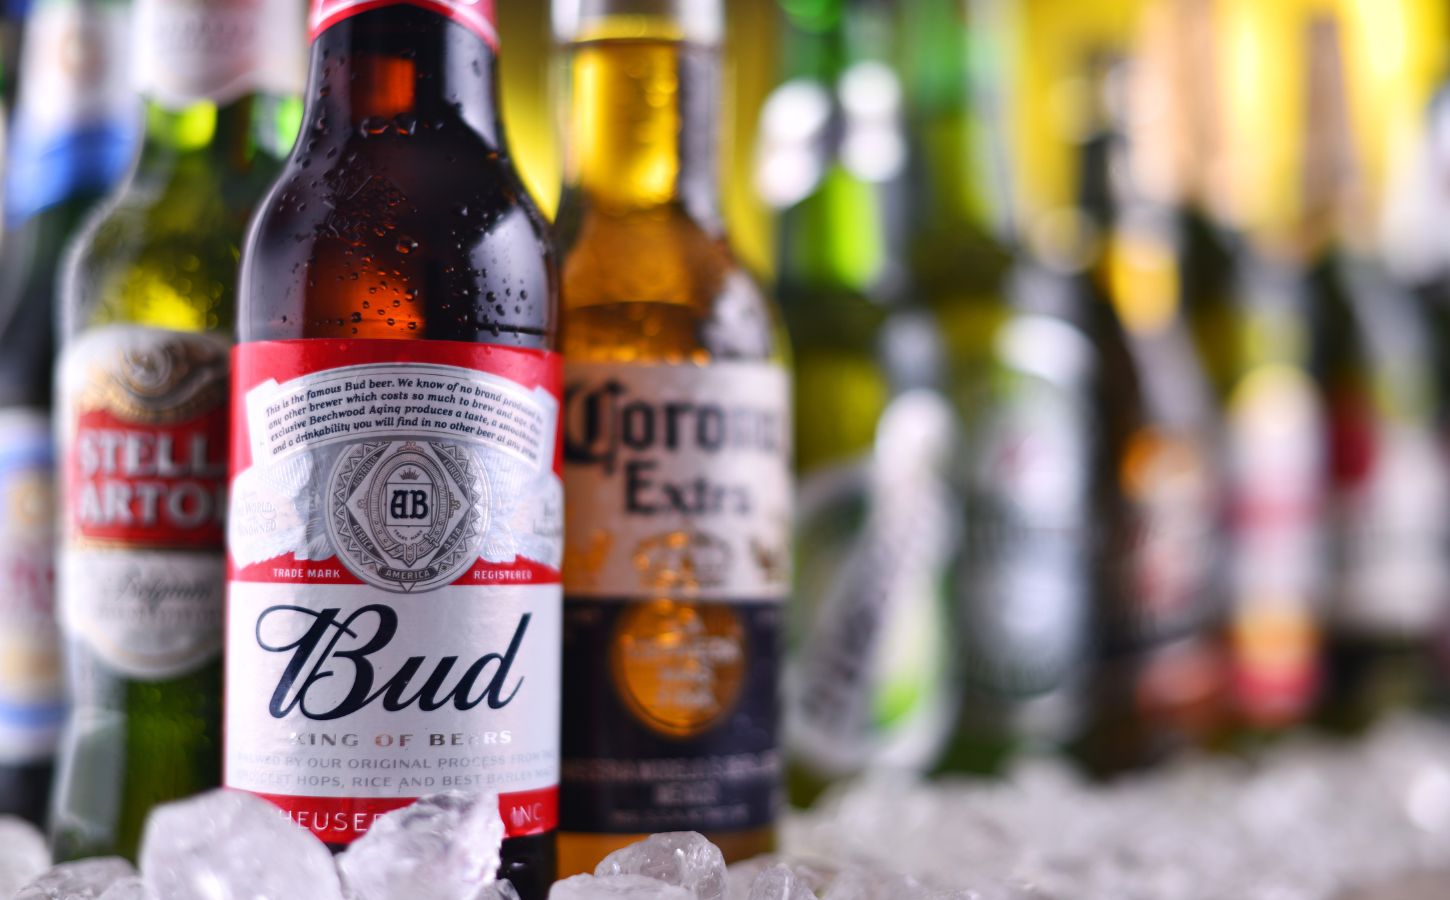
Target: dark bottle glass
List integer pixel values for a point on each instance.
(400, 244)
(1388, 586)
(1158, 669)
(69, 141)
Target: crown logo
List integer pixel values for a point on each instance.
(409, 475)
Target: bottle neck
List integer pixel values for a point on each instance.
(642, 125)
(400, 69)
(230, 136)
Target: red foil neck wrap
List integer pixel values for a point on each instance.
(476, 15)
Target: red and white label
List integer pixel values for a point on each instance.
(394, 600)
(143, 442)
(476, 15)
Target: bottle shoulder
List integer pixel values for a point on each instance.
(657, 285)
(399, 236)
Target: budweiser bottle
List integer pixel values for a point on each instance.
(148, 300)
(395, 537)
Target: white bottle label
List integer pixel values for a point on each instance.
(30, 684)
(394, 603)
(189, 51)
(142, 423)
(679, 481)
(678, 542)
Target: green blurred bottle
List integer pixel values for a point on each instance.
(1017, 365)
(148, 303)
(1388, 512)
(70, 140)
(867, 682)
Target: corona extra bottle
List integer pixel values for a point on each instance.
(677, 453)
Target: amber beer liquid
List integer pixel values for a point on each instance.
(677, 446)
(395, 539)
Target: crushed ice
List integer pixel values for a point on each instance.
(1311, 821)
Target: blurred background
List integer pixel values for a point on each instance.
(1121, 339)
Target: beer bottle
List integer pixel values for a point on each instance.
(70, 140)
(1158, 668)
(395, 540)
(148, 302)
(676, 455)
(867, 678)
(1388, 513)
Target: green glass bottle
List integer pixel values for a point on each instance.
(1019, 599)
(148, 306)
(867, 682)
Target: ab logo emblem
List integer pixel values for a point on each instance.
(407, 515)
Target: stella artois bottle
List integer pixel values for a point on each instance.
(148, 307)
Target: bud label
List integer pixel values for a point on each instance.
(678, 545)
(394, 605)
(143, 430)
(30, 683)
(475, 15)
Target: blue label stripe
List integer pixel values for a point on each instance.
(42, 715)
(44, 171)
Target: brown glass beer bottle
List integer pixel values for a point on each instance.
(395, 539)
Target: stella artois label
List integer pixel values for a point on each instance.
(475, 15)
(143, 436)
(394, 611)
(678, 559)
(31, 706)
(191, 51)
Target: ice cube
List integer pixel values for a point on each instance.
(683, 858)
(860, 884)
(742, 875)
(228, 845)
(499, 890)
(128, 889)
(617, 887)
(83, 880)
(22, 854)
(444, 847)
(780, 883)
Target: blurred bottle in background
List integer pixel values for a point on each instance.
(72, 135)
(148, 310)
(1018, 365)
(1388, 512)
(12, 29)
(1158, 669)
(867, 685)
